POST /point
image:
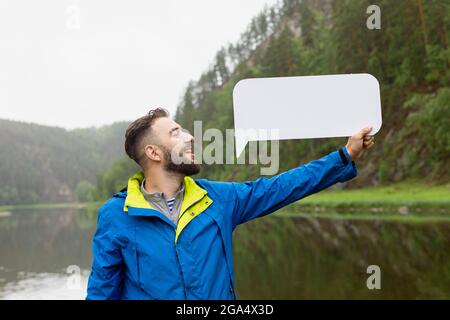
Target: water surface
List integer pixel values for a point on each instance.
(46, 254)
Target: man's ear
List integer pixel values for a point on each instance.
(152, 152)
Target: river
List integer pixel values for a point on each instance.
(46, 254)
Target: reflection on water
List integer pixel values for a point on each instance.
(38, 246)
(276, 257)
(45, 286)
(325, 258)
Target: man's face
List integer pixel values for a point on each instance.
(176, 145)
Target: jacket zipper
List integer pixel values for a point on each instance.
(181, 270)
(176, 250)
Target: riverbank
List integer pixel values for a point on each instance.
(406, 198)
(403, 198)
(75, 205)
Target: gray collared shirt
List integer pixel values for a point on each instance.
(160, 203)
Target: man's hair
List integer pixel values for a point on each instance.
(139, 131)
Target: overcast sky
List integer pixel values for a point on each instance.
(80, 63)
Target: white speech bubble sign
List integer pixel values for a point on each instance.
(306, 107)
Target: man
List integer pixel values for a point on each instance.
(168, 236)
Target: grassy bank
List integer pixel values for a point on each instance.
(46, 206)
(402, 198)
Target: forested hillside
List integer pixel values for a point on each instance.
(46, 164)
(409, 55)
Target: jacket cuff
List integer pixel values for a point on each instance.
(349, 170)
(345, 156)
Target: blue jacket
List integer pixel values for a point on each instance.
(138, 253)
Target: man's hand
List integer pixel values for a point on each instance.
(359, 142)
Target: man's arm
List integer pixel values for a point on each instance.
(263, 196)
(105, 280)
(266, 195)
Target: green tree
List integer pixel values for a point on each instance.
(85, 191)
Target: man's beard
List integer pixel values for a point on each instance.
(187, 169)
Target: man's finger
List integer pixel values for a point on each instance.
(363, 132)
(369, 145)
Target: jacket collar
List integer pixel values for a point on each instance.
(195, 199)
(136, 200)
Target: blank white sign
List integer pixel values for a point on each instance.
(306, 107)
